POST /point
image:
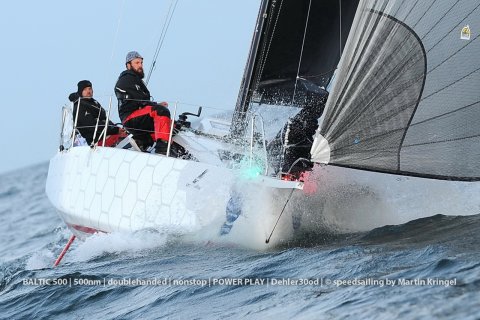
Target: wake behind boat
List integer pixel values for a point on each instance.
(396, 106)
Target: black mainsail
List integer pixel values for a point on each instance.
(406, 99)
(295, 51)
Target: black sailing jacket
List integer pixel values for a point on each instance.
(131, 92)
(90, 110)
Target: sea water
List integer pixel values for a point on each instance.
(428, 268)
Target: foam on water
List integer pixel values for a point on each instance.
(97, 245)
(32, 236)
(42, 259)
(118, 242)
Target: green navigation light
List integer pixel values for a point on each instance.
(251, 172)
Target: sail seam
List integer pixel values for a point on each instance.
(412, 125)
(448, 58)
(393, 75)
(445, 114)
(443, 141)
(341, 95)
(423, 15)
(411, 10)
(451, 30)
(451, 84)
(425, 68)
(439, 20)
(410, 173)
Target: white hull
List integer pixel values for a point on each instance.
(348, 200)
(115, 190)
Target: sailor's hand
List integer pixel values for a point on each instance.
(177, 125)
(164, 104)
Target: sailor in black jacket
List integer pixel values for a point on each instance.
(146, 119)
(90, 110)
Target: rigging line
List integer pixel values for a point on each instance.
(266, 48)
(163, 34)
(301, 52)
(117, 30)
(115, 41)
(166, 24)
(225, 108)
(283, 209)
(320, 74)
(340, 26)
(163, 28)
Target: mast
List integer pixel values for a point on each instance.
(294, 52)
(245, 92)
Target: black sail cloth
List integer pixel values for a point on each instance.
(406, 98)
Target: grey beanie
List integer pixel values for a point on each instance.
(132, 55)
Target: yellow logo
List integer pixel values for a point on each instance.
(466, 33)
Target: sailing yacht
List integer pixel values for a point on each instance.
(352, 114)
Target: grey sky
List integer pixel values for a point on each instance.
(48, 46)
